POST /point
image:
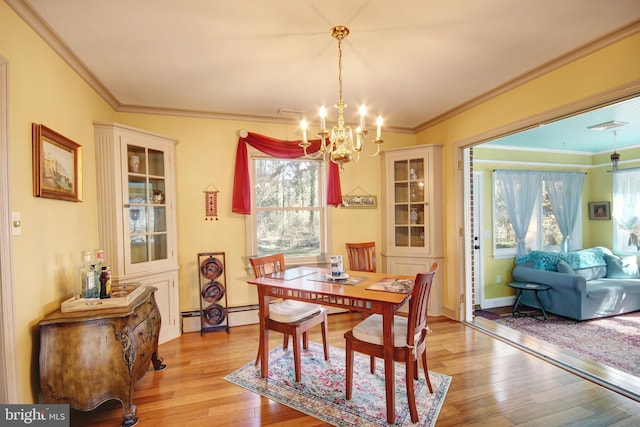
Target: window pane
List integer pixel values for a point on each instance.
(294, 232)
(551, 232)
(505, 236)
(287, 183)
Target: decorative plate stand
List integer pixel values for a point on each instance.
(213, 292)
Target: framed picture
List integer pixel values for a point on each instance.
(57, 167)
(599, 210)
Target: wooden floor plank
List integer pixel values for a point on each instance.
(494, 384)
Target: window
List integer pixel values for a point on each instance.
(289, 211)
(626, 211)
(543, 232)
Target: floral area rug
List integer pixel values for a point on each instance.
(613, 341)
(321, 393)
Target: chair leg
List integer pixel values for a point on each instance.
(426, 371)
(372, 364)
(296, 356)
(349, 367)
(285, 341)
(325, 340)
(411, 396)
(305, 340)
(259, 354)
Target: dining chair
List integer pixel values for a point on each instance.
(362, 256)
(409, 339)
(291, 317)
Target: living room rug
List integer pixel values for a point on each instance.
(613, 341)
(321, 393)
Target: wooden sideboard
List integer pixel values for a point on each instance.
(89, 357)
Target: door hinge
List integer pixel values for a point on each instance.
(461, 298)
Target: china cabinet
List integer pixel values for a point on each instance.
(137, 213)
(412, 231)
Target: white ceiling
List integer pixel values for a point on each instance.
(410, 60)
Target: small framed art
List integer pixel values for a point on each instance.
(599, 210)
(57, 165)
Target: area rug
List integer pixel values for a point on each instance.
(321, 393)
(613, 341)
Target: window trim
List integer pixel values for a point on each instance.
(251, 243)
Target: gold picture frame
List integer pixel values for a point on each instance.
(599, 210)
(57, 165)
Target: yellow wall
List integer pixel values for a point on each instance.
(206, 154)
(43, 89)
(611, 67)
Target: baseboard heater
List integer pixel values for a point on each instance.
(238, 316)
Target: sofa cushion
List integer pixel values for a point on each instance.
(622, 268)
(592, 273)
(564, 267)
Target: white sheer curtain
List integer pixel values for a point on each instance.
(626, 198)
(520, 191)
(565, 194)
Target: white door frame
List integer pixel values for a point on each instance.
(8, 366)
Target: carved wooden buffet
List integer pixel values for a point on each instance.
(89, 357)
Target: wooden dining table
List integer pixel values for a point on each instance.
(312, 285)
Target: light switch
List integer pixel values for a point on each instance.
(16, 223)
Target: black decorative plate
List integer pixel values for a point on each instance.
(212, 292)
(211, 268)
(214, 314)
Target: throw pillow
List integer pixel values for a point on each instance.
(563, 267)
(622, 268)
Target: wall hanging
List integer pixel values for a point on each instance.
(211, 202)
(354, 199)
(57, 165)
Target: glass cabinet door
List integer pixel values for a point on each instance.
(147, 219)
(409, 203)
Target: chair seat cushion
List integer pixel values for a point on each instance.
(288, 311)
(370, 330)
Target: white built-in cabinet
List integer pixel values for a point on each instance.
(137, 213)
(412, 230)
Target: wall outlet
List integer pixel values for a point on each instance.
(498, 279)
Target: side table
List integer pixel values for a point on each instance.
(522, 287)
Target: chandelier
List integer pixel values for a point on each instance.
(615, 157)
(338, 144)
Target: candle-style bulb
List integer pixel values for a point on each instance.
(323, 114)
(303, 125)
(379, 124)
(363, 114)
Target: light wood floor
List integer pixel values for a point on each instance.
(494, 384)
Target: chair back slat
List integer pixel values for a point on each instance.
(418, 306)
(362, 256)
(267, 264)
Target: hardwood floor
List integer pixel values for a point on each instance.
(494, 384)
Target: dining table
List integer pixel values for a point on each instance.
(316, 285)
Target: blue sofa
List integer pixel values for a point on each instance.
(585, 284)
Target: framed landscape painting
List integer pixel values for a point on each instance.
(57, 167)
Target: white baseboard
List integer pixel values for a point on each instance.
(498, 302)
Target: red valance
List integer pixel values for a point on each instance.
(281, 149)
